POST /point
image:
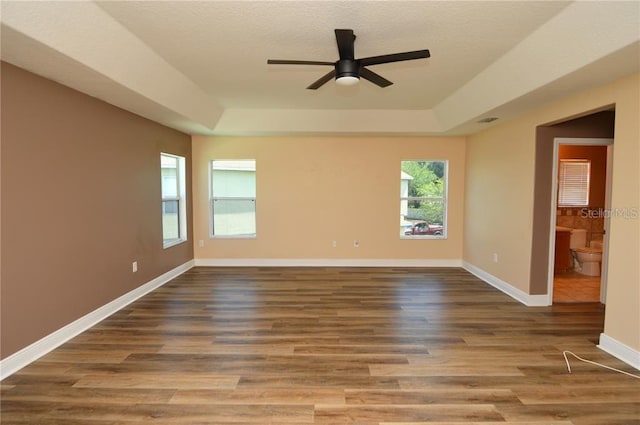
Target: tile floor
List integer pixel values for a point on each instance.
(573, 287)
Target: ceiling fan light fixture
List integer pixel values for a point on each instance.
(347, 80)
(347, 72)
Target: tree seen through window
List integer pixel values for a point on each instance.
(423, 193)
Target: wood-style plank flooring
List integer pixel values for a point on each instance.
(328, 346)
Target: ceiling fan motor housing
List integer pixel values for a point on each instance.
(347, 68)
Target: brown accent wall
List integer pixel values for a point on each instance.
(596, 125)
(80, 202)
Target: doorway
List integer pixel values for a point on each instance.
(580, 199)
(594, 124)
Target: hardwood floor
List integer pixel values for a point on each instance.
(328, 346)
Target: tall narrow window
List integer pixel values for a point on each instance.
(423, 199)
(573, 182)
(233, 198)
(174, 209)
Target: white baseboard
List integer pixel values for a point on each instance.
(619, 350)
(29, 354)
(512, 291)
(322, 262)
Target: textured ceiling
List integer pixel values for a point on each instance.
(201, 66)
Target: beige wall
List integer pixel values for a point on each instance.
(622, 320)
(80, 203)
(499, 201)
(314, 190)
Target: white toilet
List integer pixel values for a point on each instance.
(586, 259)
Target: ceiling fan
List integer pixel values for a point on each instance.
(348, 70)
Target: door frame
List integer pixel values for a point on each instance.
(557, 142)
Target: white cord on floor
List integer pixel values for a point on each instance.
(564, 353)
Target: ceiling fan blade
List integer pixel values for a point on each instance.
(345, 40)
(374, 78)
(321, 81)
(296, 62)
(396, 57)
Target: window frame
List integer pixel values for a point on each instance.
(443, 200)
(213, 198)
(582, 183)
(181, 198)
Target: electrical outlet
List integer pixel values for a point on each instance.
(356, 243)
(201, 243)
(134, 266)
(334, 244)
(495, 257)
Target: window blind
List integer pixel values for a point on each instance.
(573, 182)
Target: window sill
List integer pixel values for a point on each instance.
(232, 236)
(166, 245)
(424, 237)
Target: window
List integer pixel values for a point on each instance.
(233, 198)
(573, 182)
(174, 203)
(423, 199)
